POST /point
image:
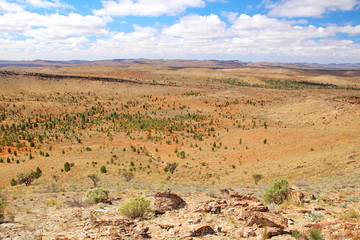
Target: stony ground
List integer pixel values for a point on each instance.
(226, 214)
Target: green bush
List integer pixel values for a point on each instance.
(277, 192)
(96, 195)
(103, 169)
(315, 234)
(2, 208)
(13, 182)
(135, 207)
(67, 167)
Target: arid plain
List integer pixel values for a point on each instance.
(145, 129)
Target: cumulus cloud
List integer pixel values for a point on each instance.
(53, 26)
(47, 4)
(309, 8)
(195, 26)
(274, 30)
(6, 7)
(146, 7)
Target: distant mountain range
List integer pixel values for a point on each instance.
(178, 63)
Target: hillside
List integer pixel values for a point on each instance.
(161, 125)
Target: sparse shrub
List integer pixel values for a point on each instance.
(128, 176)
(350, 214)
(74, 202)
(28, 178)
(2, 208)
(296, 234)
(135, 207)
(315, 234)
(13, 182)
(257, 177)
(170, 167)
(277, 192)
(96, 195)
(94, 178)
(67, 167)
(103, 169)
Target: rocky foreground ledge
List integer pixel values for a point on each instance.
(229, 216)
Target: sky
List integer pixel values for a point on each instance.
(312, 31)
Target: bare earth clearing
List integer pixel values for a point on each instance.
(218, 127)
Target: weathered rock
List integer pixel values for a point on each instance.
(166, 226)
(259, 208)
(142, 232)
(274, 231)
(248, 196)
(211, 206)
(338, 228)
(296, 209)
(295, 196)
(266, 219)
(167, 201)
(246, 232)
(201, 230)
(106, 200)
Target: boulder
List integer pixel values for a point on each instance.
(202, 230)
(273, 231)
(211, 206)
(295, 196)
(167, 201)
(239, 197)
(266, 219)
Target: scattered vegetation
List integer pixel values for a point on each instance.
(277, 192)
(315, 234)
(2, 208)
(28, 178)
(257, 177)
(96, 195)
(135, 208)
(94, 178)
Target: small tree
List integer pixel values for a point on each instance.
(128, 176)
(135, 207)
(257, 177)
(94, 178)
(27, 178)
(38, 172)
(277, 192)
(67, 167)
(55, 177)
(13, 182)
(103, 169)
(170, 167)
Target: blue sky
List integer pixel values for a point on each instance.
(322, 31)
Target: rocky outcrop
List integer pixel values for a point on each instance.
(167, 201)
(266, 219)
(202, 230)
(211, 206)
(295, 196)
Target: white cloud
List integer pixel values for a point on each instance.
(72, 36)
(231, 16)
(274, 30)
(52, 27)
(309, 8)
(195, 26)
(146, 7)
(47, 4)
(6, 7)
